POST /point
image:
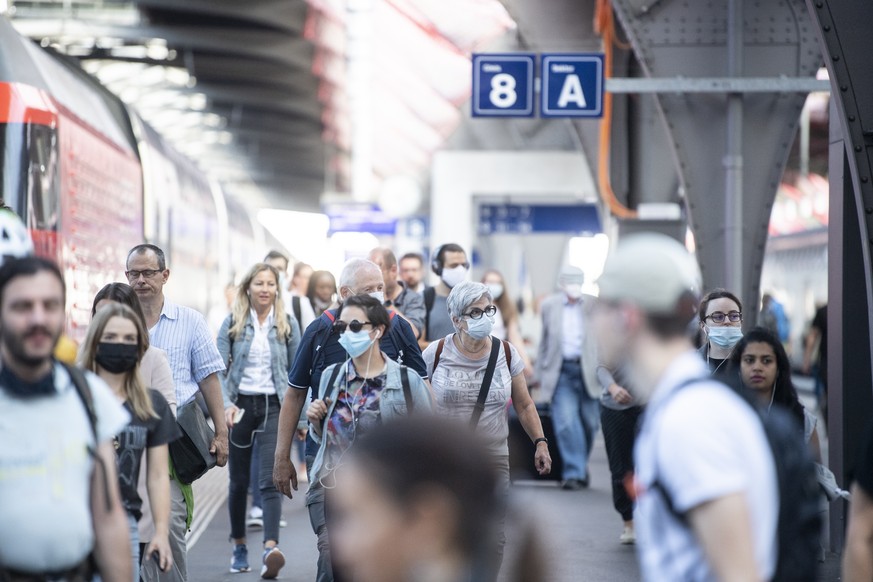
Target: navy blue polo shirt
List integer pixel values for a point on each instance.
(320, 348)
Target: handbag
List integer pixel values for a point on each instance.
(190, 452)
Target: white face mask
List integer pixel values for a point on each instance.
(452, 277)
(378, 296)
(496, 290)
(573, 290)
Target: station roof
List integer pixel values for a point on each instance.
(272, 97)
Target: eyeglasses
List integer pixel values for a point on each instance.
(720, 316)
(477, 313)
(147, 273)
(354, 325)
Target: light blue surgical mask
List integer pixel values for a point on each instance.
(480, 328)
(378, 296)
(724, 337)
(355, 343)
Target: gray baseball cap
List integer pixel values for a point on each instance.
(649, 270)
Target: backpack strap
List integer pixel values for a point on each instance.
(396, 337)
(508, 353)
(80, 382)
(429, 299)
(407, 392)
(321, 340)
(436, 356)
(486, 382)
(295, 308)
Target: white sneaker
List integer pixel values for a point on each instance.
(627, 537)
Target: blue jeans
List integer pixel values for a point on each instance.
(262, 420)
(576, 420)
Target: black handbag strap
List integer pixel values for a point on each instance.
(407, 392)
(486, 382)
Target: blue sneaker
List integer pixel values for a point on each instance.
(273, 562)
(240, 560)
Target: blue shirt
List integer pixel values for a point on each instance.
(320, 348)
(191, 351)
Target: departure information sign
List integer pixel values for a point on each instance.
(503, 85)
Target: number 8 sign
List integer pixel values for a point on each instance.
(503, 85)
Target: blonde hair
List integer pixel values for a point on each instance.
(135, 390)
(243, 305)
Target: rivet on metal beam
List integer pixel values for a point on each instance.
(826, 28)
(865, 179)
(858, 148)
(836, 58)
(819, 4)
(868, 210)
(843, 88)
(851, 118)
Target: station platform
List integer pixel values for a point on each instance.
(581, 531)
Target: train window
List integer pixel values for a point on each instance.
(13, 169)
(43, 183)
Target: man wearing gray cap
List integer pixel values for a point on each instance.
(567, 372)
(705, 483)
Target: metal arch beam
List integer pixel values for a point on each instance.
(278, 14)
(843, 30)
(690, 39)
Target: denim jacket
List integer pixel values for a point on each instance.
(234, 354)
(392, 402)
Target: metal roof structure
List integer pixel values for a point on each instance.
(282, 100)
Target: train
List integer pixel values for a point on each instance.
(91, 179)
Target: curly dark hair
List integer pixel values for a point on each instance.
(785, 394)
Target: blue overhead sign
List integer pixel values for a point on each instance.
(572, 85)
(503, 85)
(355, 217)
(539, 218)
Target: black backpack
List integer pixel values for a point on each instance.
(799, 522)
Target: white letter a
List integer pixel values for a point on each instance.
(572, 92)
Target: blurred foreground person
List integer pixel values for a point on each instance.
(706, 483)
(418, 500)
(60, 507)
(858, 553)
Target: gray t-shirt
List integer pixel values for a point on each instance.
(456, 383)
(411, 304)
(440, 323)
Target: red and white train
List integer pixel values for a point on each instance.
(91, 180)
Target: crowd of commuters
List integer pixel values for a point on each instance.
(400, 392)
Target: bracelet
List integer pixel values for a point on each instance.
(541, 440)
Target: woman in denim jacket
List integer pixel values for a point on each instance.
(355, 397)
(258, 342)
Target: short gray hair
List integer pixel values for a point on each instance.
(352, 271)
(464, 295)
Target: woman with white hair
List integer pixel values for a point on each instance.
(473, 376)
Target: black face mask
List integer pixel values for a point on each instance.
(117, 358)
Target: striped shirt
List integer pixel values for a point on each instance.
(191, 351)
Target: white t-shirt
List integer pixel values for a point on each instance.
(257, 376)
(700, 444)
(456, 383)
(45, 474)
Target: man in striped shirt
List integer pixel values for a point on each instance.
(195, 362)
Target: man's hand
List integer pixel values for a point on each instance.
(619, 394)
(160, 548)
(284, 476)
(542, 459)
(219, 448)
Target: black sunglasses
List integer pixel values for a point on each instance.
(340, 326)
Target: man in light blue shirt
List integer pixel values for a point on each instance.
(195, 362)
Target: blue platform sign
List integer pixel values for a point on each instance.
(572, 85)
(359, 217)
(503, 85)
(578, 219)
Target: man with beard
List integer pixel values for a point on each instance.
(706, 486)
(195, 362)
(59, 498)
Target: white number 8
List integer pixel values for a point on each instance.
(503, 93)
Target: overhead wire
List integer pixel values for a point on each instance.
(604, 25)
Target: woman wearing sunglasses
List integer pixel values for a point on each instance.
(353, 398)
(257, 341)
(459, 366)
(720, 317)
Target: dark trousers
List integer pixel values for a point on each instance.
(619, 433)
(262, 419)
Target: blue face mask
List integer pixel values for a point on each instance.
(354, 343)
(480, 328)
(725, 337)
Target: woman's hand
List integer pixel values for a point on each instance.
(542, 459)
(230, 414)
(159, 547)
(619, 394)
(316, 413)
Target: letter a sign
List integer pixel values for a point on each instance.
(572, 85)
